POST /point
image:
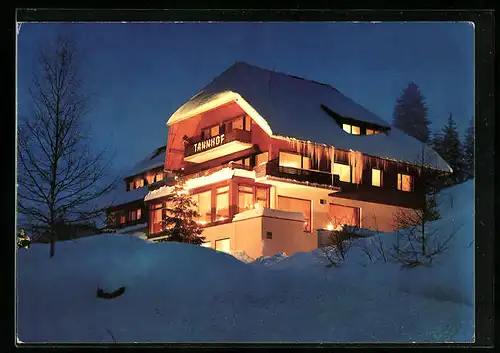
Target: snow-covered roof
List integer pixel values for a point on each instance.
(288, 106)
(154, 160)
(122, 196)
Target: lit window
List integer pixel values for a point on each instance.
(156, 218)
(376, 177)
(158, 177)
(214, 131)
(248, 123)
(347, 128)
(290, 160)
(245, 198)
(139, 183)
(150, 178)
(369, 131)
(237, 124)
(133, 215)
(261, 158)
(261, 196)
(122, 219)
(246, 161)
(222, 203)
(131, 185)
(206, 244)
(306, 163)
(223, 245)
(404, 182)
(203, 201)
(297, 205)
(343, 171)
(355, 130)
(339, 215)
(139, 213)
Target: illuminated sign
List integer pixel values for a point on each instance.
(209, 143)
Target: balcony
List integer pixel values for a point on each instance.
(199, 151)
(273, 169)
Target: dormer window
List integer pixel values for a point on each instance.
(372, 132)
(351, 129)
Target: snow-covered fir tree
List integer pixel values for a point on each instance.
(180, 215)
(468, 149)
(449, 147)
(410, 113)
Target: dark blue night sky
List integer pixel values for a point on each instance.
(141, 73)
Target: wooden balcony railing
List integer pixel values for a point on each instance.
(273, 168)
(198, 145)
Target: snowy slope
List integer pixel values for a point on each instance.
(185, 293)
(291, 107)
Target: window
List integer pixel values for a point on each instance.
(244, 161)
(261, 158)
(297, 205)
(203, 200)
(206, 244)
(223, 245)
(404, 182)
(369, 131)
(294, 160)
(158, 177)
(248, 123)
(269, 235)
(156, 218)
(139, 183)
(209, 132)
(133, 215)
(222, 203)
(376, 177)
(122, 219)
(139, 213)
(261, 196)
(343, 171)
(237, 124)
(351, 129)
(131, 185)
(150, 178)
(245, 197)
(340, 215)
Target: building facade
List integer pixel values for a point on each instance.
(272, 159)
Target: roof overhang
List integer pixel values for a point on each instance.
(184, 113)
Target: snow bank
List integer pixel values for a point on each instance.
(185, 293)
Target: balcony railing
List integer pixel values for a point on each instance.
(273, 168)
(198, 145)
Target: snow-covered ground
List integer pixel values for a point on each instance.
(184, 293)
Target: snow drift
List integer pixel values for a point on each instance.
(184, 293)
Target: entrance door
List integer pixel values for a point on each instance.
(340, 214)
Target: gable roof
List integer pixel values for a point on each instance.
(153, 160)
(289, 106)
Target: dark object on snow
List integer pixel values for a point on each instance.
(110, 295)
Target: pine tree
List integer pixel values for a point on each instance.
(179, 219)
(450, 150)
(410, 113)
(468, 149)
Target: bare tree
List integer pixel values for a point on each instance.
(339, 240)
(60, 177)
